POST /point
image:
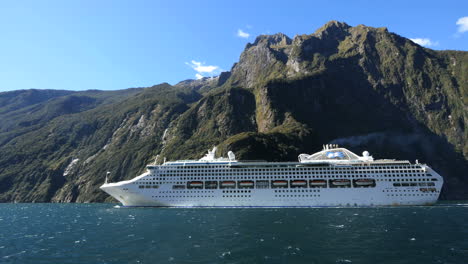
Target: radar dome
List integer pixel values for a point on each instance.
(365, 154)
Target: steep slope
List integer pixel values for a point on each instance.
(67, 155)
(361, 87)
(27, 110)
(10, 101)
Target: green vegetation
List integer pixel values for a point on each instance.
(359, 86)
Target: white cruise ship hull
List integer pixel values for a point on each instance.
(345, 198)
(390, 189)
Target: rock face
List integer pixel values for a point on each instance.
(362, 87)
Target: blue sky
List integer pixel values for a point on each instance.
(109, 45)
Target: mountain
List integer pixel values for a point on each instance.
(361, 87)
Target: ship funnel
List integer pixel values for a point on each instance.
(107, 175)
(210, 155)
(231, 156)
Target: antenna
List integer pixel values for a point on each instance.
(156, 160)
(164, 160)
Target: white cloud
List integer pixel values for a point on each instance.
(424, 42)
(242, 34)
(203, 70)
(462, 24)
(200, 68)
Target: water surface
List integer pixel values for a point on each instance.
(100, 233)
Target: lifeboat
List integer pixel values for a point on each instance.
(299, 183)
(364, 182)
(246, 184)
(318, 183)
(195, 184)
(228, 184)
(341, 182)
(280, 183)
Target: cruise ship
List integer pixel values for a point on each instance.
(333, 177)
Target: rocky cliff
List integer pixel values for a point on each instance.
(361, 87)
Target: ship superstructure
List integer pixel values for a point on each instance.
(332, 177)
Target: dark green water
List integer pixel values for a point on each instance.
(99, 233)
